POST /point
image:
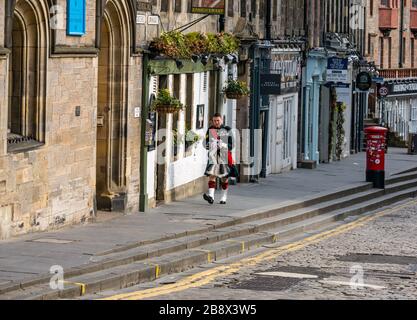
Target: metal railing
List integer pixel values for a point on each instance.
(398, 73)
(396, 116)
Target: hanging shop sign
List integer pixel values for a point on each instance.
(364, 81)
(208, 6)
(270, 84)
(288, 65)
(337, 69)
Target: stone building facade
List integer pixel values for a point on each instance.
(383, 33)
(69, 139)
(70, 105)
(392, 45)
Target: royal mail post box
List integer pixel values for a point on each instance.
(375, 155)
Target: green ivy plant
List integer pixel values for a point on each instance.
(332, 124)
(340, 131)
(336, 130)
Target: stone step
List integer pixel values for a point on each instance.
(138, 272)
(288, 212)
(409, 175)
(219, 243)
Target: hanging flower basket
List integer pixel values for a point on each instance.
(165, 103)
(236, 89)
(233, 95)
(167, 108)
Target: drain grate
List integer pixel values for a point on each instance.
(377, 258)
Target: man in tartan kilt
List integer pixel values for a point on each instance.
(219, 143)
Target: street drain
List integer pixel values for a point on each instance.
(377, 258)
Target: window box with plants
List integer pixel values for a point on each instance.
(193, 45)
(236, 89)
(165, 103)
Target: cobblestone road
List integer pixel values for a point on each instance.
(381, 255)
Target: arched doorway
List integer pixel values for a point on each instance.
(112, 99)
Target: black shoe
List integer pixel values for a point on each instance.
(222, 202)
(208, 198)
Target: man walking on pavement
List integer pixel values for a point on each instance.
(219, 143)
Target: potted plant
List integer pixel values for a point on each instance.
(165, 103)
(236, 89)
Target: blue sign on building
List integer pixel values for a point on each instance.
(76, 17)
(335, 63)
(337, 70)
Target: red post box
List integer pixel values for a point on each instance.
(375, 155)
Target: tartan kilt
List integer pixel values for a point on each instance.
(217, 170)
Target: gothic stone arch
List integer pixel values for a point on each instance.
(27, 37)
(115, 41)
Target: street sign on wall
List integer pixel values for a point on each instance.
(337, 70)
(76, 17)
(396, 89)
(143, 6)
(208, 6)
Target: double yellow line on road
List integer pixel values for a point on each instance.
(206, 277)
